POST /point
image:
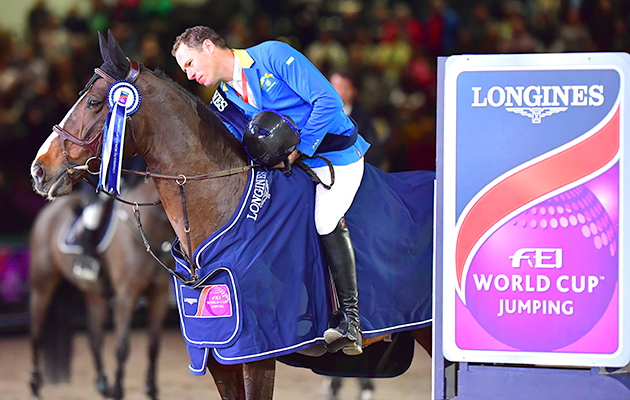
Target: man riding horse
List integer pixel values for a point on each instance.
(274, 76)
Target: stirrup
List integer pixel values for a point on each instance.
(340, 335)
(86, 268)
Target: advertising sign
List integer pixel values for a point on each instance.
(533, 191)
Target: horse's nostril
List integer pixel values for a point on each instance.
(38, 172)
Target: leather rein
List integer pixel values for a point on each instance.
(94, 145)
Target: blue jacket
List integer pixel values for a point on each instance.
(284, 80)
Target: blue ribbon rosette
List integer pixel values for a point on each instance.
(123, 99)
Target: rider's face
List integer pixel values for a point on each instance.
(201, 66)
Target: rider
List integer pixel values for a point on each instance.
(87, 264)
(274, 76)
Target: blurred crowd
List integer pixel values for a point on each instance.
(389, 50)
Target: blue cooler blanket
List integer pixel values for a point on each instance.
(264, 288)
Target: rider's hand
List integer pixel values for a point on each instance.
(292, 157)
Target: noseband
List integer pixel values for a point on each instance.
(94, 144)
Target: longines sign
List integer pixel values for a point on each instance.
(533, 182)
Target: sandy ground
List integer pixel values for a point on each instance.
(174, 380)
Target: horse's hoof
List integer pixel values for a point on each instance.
(35, 383)
(117, 393)
(101, 386)
(151, 391)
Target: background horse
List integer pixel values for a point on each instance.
(184, 144)
(127, 270)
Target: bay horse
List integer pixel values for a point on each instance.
(174, 132)
(127, 270)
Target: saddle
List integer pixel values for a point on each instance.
(70, 238)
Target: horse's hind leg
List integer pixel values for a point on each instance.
(41, 294)
(158, 305)
(97, 311)
(424, 336)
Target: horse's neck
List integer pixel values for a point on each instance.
(188, 144)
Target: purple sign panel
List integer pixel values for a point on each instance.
(532, 184)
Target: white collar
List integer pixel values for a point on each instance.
(236, 74)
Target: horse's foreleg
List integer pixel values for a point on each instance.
(259, 379)
(123, 313)
(96, 315)
(424, 337)
(158, 305)
(40, 297)
(228, 378)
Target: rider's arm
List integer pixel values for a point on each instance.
(308, 83)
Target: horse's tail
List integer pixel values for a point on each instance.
(58, 333)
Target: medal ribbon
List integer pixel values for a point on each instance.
(113, 140)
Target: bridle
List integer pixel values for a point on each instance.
(94, 144)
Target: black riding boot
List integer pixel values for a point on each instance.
(344, 330)
(87, 266)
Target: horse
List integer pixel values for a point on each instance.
(173, 131)
(128, 270)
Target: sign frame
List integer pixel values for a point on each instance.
(446, 211)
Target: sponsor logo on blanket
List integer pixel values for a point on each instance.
(211, 302)
(260, 195)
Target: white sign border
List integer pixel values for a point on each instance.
(454, 66)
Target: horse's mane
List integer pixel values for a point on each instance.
(216, 120)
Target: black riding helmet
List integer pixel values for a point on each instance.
(270, 137)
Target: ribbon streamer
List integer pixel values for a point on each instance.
(114, 138)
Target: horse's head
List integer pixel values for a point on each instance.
(73, 144)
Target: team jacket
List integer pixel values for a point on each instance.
(284, 80)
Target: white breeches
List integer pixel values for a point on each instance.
(93, 213)
(332, 204)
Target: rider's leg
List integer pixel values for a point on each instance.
(330, 207)
(87, 264)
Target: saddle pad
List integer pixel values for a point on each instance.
(272, 249)
(384, 359)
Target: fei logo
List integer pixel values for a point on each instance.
(537, 102)
(543, 258)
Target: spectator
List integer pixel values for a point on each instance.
(344, 85)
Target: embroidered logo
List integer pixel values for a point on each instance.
(212, 302)
(267, 82)
(260, 195)
(218, 101)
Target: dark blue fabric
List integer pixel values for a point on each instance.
(228, 111)
(332, 142)
(269, 259)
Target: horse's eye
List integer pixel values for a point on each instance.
(93, 103)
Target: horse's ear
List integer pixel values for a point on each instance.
(102, 45)
(116, 54)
